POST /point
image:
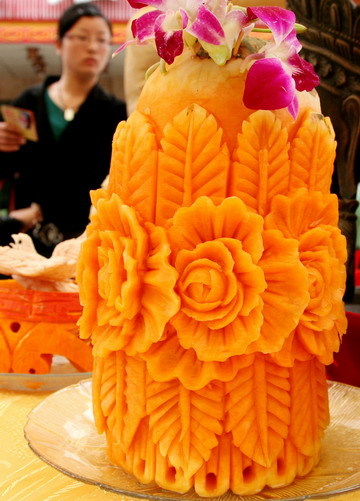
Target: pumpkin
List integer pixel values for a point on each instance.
(37, 325)
(211, 281)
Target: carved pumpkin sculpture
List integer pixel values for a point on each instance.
(212, 280)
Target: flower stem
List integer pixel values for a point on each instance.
(237, 44)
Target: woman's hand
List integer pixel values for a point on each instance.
(10, 138)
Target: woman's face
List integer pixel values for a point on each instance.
(85, 48)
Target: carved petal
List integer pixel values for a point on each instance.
(168, 360)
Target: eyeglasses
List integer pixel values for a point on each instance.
(84, 40)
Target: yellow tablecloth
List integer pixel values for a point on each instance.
(24, 477)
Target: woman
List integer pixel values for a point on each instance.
(75, 122)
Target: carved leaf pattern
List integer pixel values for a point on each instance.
(261, 164)
(213, 478)
(258, 409)
(312, 154)
(133, 170)
(309, 405)
(139, 459)
(104, 371)
(119, 395)
(135, 398)
(194, 161)
(185, 423)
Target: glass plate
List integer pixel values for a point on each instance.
(62, 374)
(61, 432)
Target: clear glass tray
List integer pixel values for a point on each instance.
(62, 374)
(61, 432)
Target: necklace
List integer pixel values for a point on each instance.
(69, 113)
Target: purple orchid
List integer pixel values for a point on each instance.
(278, 70)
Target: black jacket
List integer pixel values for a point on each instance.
(58, 175)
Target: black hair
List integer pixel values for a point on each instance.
(71, 15)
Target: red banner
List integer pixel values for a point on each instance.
(43, 32)
(43, 10)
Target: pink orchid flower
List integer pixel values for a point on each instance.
(278, 70)
(168, 20)
(232, 23)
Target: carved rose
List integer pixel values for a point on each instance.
(223, 258)
(127, 283)
(312, 218)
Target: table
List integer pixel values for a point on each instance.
(24, 477)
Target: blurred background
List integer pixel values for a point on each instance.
(27, 35)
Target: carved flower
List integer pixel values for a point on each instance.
(127, 283)
(312, 218)
(226, 281)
